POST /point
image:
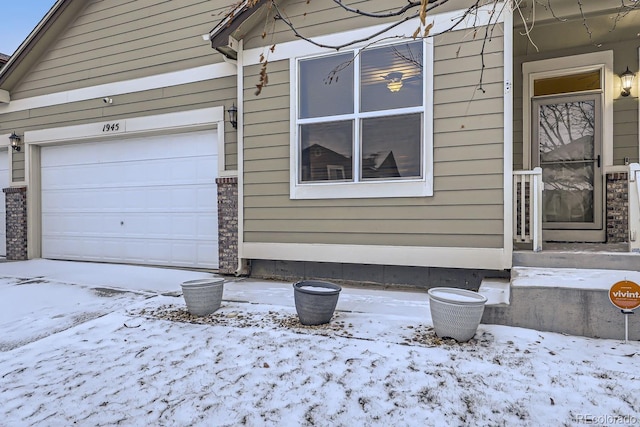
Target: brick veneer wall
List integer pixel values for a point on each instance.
(16, 222)
(227, 224)
(617, 207)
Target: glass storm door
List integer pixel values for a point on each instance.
(567, 146)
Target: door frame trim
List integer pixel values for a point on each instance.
(554, 67)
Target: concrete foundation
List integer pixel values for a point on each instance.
(383, 275)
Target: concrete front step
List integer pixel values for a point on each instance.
(566, 300)
(576, 259)
(497, 291)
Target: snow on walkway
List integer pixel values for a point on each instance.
(147, 362)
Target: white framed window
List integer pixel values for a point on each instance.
(362, 123)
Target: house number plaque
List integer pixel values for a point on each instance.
(111, 127)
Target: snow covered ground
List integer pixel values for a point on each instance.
(93, 344)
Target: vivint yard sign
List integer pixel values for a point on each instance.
(625, 295)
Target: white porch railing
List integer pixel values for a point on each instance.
(527, 207)
(634, 207)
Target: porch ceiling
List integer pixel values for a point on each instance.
(581, 23)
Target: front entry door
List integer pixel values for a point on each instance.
(567, 145)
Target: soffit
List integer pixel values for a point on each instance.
(239, 21)
(561, 24)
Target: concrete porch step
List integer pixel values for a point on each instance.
(565, 300)
(578, 260)
(496, 290)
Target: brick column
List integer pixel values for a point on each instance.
(227, 224)
(16, 222)
(617, 207)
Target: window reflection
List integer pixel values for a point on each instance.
(387, 121)
(326, 86)
(566, 143)
(391, 147)
(327, 151)
(391, 77)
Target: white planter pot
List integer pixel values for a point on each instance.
(456, 313)
(203, 296)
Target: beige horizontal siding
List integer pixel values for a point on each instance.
(311, 18)
(393, 227)
(18, 167)
(212, 93)
(453, 199)
(381, 213)
(466, 209)
(625, 130)
(120, 40)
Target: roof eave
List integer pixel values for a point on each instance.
(32, 39)
(221, 33)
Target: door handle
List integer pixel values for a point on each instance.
(598, 160)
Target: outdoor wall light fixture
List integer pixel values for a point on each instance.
(394, 81)
(233, 116)
(15, 141)
(627, 82)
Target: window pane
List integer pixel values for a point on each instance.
(391, 147)
(565, 84)
(326, 86)
(327, 151)
(391, 77)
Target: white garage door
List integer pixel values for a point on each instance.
(4, 183)
(148, 201)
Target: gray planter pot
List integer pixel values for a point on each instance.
(315, 301)
(456, 313)
(203, 296)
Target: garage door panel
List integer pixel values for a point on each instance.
(139, 226)
(131, 250)
(195, 198)
(193, 170)
(193, 144)
(101, 204)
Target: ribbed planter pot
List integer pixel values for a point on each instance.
(315, 301)
(456, 313)
(203, 296)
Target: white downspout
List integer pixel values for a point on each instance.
(243, 265)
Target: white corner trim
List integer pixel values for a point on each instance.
(4, 140)
(5, 97)
(507, 55)
(205, 117)
(222, 164)
(441, 22)
(569, 65)
(481, 258)
(192, 75)
(4, 145)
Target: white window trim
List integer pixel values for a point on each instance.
(420, 187)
